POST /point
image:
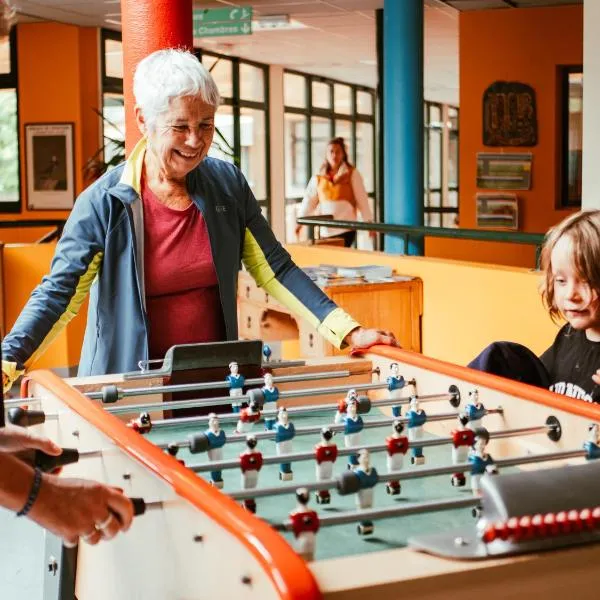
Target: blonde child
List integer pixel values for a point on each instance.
(570, 291)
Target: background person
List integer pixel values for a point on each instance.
(337, 190)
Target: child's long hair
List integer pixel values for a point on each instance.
(584, 230)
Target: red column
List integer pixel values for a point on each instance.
(150, 25)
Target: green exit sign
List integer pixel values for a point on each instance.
(214, 22)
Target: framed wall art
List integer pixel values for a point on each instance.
(50, 166)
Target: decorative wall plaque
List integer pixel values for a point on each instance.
(509, 115)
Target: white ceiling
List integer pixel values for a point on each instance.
(338, 41)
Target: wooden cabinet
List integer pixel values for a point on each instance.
(392, 305)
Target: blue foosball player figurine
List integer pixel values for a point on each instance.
(481, 461)
(396, 384)
(267, 352)
(284, 434)
(216, 440)
(353, 425)
(475, 410)
(270, 395)
(592, 445)
(236, 385)
(416, 418)
(368, 478)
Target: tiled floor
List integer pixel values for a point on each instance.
(21, 558)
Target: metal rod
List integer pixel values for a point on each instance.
(220, 400)
(209, 385)
(234, 463)
(265, 435)
(404, 475)
(292, 410)
(385, 513)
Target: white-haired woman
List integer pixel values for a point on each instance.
(158, 242)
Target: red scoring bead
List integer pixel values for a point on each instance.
(514, 528)
(574, 521)
(502, 531)
(596, 516)
(563, 522)
(587, 520)
(489, 534)
(552, 527)
(527, 530)
(539, 527)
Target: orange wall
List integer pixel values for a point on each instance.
(58, 82)
(524, 45)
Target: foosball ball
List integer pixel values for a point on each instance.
(390, 474)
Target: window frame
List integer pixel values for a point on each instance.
(110, 85)
(9, 81)
(353, 117)
(562, 200)
(237, 103)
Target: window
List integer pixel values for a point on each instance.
(571, 103)
(317, 109)
(440, 199)
(10, 188)
(113, 104)
(242, 120)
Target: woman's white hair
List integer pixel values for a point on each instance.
(167, 74)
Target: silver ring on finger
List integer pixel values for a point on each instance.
(104, 524)
(86, 537)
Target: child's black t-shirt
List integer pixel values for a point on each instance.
(571, 361)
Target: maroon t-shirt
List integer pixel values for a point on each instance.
(182, 291)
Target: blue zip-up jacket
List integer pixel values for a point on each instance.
(101, 252)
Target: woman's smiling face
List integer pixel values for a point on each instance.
(181, 137)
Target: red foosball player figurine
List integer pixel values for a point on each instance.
(343, 406)
(142, 424)
(397, 447)
(248, 416)
(251, 461)
(326, 454)
(463, 439)
(305, 525)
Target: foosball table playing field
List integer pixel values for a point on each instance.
(385, 475)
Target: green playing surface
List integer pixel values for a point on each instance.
(341, 540)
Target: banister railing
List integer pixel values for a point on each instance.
(408, 231)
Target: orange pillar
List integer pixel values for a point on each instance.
(150, 25)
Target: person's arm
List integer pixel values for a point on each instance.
(77, 261)
(362, 199)
(274, 270)
(309, 202)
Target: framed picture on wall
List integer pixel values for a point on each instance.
(497, 211)
(50, 166)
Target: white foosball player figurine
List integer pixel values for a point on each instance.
(236, 385)
(326, 454)
(343, 406)
(216, 441)
(305, 525)
(396, 446)
(284, 434)
(592, 445)
(475, 410)
(368, 478)
(481, 461)
(396, 384)
(251, 461)
(463, 439)
(248, 416)
(353, 425)
(270, 395)
(416, 419)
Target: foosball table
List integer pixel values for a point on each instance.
(385, 475)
